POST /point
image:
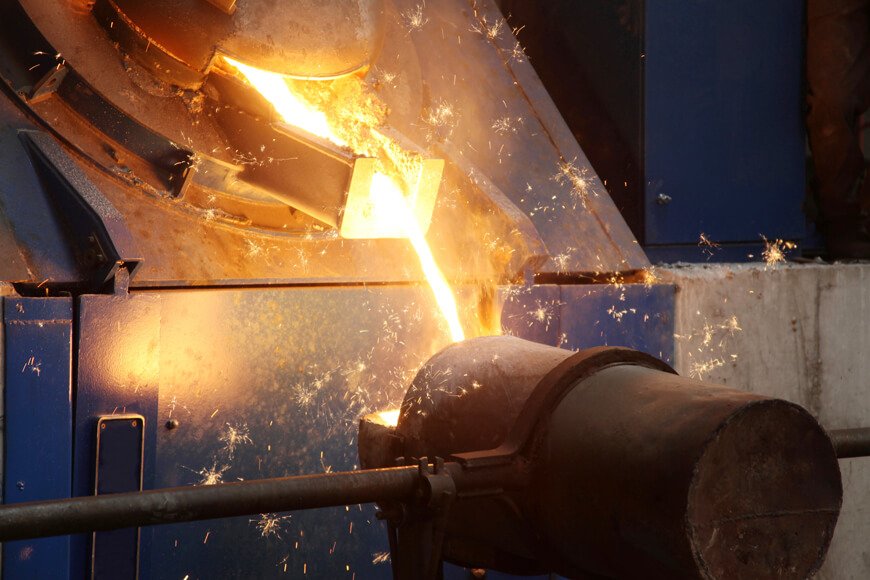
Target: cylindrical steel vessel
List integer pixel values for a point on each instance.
(634, 471)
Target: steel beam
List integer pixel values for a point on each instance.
(851, 442)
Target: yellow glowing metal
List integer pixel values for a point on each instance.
(387, 199)
(390, 417)
(377, 205)
(366, 218)
(292, 109)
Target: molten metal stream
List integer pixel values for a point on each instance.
(291, 108)
(387, 197)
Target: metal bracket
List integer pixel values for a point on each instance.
(417, 530)
(102, 243)
(48, 84)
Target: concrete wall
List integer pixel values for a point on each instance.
(799, 332)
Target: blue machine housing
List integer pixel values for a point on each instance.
(691, 113)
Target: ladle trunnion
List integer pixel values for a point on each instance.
(624, 469)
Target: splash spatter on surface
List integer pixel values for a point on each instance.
(708, 246)
(212, 475)
(233, 436)
(440, 120)
(577, 179)
(563, 261)
(775, 251)
(271, 525)
(544, 313)
(710, 346)
(489, 30)
(649, 277)
(415, 18)
(506, 125)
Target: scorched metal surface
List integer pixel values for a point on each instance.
(517, 190)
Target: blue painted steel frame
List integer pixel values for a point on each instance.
(724, 136)
(38, 412)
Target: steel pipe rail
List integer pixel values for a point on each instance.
(851, 442)
(184, 504)
(192, 503)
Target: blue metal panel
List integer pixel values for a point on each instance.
(117, 354)
(288, 374)
(723, 120)
(587, 315)
(631, 315)
(532, 313)
(263, 383)
(271, 382)
(698, 253)
(38, 410)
